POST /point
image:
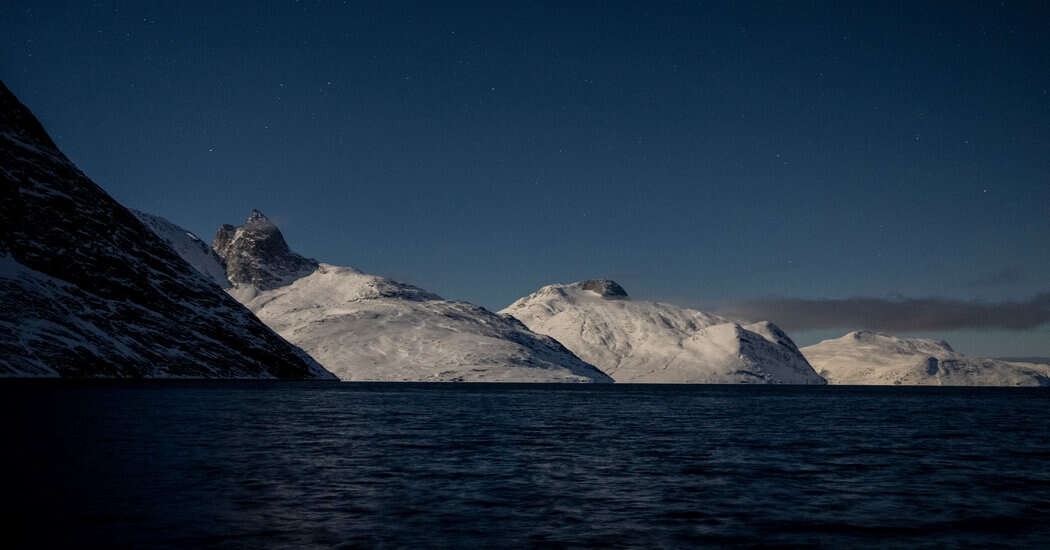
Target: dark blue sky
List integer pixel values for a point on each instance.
(701, 155)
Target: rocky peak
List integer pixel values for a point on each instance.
(604, 287)
(257, 254)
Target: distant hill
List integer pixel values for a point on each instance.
(874, 358)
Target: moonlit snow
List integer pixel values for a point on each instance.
(636, 341)
(195, 251)
(873, 358)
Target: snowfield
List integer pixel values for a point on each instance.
(873, 358)
(636, 341)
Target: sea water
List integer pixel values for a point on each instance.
(284, 464)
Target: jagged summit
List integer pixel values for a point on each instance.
(603, 287)
(256, 254)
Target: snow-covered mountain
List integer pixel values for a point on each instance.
(366, 327)
(87, 290)
(872, 358)
(635, 341)
(192, 249)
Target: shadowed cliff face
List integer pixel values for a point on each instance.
(88, 290)
(256, 254)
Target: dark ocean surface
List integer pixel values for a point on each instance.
(291, 465)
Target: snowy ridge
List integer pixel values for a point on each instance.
(88, 291)
(192, 249)
(636, 341)
(366, 327)
(873, 358)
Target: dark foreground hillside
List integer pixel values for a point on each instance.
(88, 291)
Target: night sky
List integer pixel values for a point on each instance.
(768, 158)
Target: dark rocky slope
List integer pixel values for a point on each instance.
(256, 254)
(88, 291)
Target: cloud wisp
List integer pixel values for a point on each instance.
(905, 315)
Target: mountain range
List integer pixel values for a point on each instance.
(92, 289)
(367, 327)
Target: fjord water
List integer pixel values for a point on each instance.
(283, 464)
